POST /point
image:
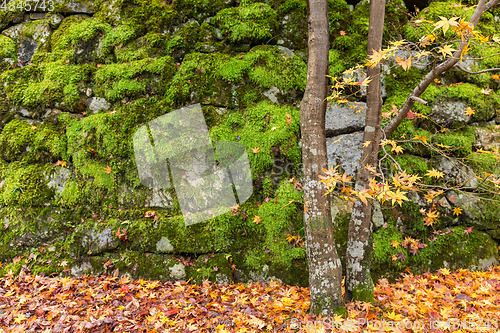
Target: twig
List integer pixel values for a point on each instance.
(483, 71)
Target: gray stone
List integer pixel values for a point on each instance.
(59, 179)
(377, 216)
(26, 50)
(164, 246)
(448, 112)
(76, 7)
(272, 94)
(484, 263)
(99, 241)
(487, 139)
(454, 172)
(37, 16)
(346, 152)
(28, 37)
(54, 20)
(159, 198)
(359, 74)
(345, 118)
(79, 270)
(97, 104)
(287, 51)
(178, 271)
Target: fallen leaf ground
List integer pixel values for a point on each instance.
(460, 301)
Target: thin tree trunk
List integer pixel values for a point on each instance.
(359, 284)
(325, 269)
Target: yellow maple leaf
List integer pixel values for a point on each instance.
(375, 57)
(482, 39)
(437, 80)
(486, 91)
(422, 138)
(431, 217)
(33, 128)
(366, 144)
(398, 43)
(464, 51)
(457, 211)
(422, 54)
(469, 112)
(365, 81)
(495, 77)
(445, 24)
(20, 317)
(397, 149)
(395, 244)
(107, 169)
(406, 64)
(256, 219)
(370, 168)
(427, 40)
(434, 173)
(255, 150)
(446, 50)
(443, 146)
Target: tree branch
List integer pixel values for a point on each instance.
(444, 66)
(483, 71)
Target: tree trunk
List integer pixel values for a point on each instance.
(325, 269)
(359, 284)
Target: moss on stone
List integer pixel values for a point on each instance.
(117, 81)
(249, 22)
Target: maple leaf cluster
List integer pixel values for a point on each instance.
(118, 304)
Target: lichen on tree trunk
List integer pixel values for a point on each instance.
(359, 284)
(325, 268)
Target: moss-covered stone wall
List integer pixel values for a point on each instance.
(76, 83)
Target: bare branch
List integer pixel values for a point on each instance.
(441, 68)
(418, 99)
(483, 71)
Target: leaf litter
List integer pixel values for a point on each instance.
(35, 303)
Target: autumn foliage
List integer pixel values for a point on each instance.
(444, 301)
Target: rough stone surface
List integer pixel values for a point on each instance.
(448, 112)
(377, 216)
(97, 104)
(454, 172)
(158, 198)
(346, 152)
(272, 94)
(287, 51)
(79, 270)
(164, 246)
(345, 118)
(59, 179)
(178, 271)
(360, 74)
(76, 7)
(487, 139)
(99, 242)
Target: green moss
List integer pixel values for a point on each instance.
(20, 141)
(75, 29)
(252, 22)
(25, 185)
(255, 128)
(7, 48)
(117, 81)
(220, 80)
(48, 84)
(412, 164)
(363, 292)
(461, 141)
(279, 221)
